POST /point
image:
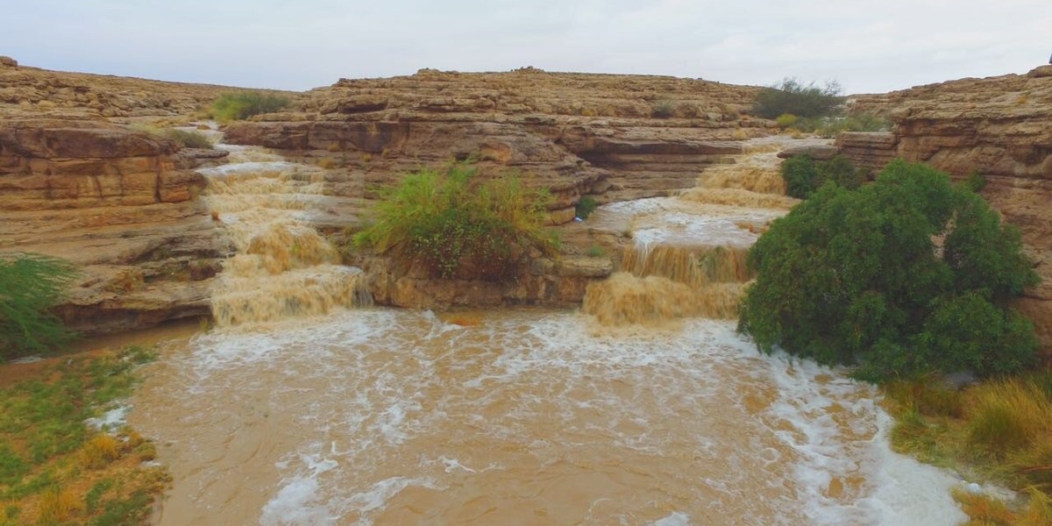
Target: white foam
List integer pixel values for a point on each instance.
(111, 420)
(675, 519)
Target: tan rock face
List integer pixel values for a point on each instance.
(999, 127)
(121, 205)
(615, 137)
(32, 91)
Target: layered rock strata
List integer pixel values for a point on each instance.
(119, 204)
(610, 136)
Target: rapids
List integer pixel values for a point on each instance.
(299, 411)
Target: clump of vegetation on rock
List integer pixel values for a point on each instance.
(811, 109)
(459, 225)
(585, 207)
(803, 175)
(30, 284)
(795, 98)
(184, 138)
(903, 277)
(244, 104)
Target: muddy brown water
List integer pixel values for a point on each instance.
(345, 414)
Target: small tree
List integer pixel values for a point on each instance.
(30, 284)
(794, 98)
(858, 277)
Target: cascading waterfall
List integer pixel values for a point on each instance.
(397, 417)
(283, 266)
(689, 258)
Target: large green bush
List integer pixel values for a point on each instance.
(905, 276)
(803, 175)
(460, 226)
(795, 98)
(30, 284)
(244, 104)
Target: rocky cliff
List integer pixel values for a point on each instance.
(1000, 127)
(121, 204)
(612, 136)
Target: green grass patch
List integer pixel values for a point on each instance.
(54, 468)
(459, 225)
(30, 284)
(585, 207)
(244, 104)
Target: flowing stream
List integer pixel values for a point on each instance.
(306, 406)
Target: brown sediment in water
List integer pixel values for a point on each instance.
(283, 267)
(693, 265)
(625, 299)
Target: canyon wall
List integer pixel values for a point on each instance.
(611, 136)
(1000, 127)
(118, 203)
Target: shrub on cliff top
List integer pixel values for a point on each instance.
(857, 277)
(795, 98)
(245, 104)
(460, 226)
(30, 284)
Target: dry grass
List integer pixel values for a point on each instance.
(100, 451)
(1006, 417)
(58, 506)
(327, 163)
(997, 430)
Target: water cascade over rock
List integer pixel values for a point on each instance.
(689, 253)
(283, 266)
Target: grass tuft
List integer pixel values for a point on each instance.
(1008, 416)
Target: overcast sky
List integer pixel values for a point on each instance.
(868, 46)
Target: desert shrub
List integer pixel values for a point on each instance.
(854, 277)
(831, 126)
(663, 109)
(460, 226)
(803, 175)
(796, 98)
(786, 120)
(30, 284)
(585, 206)
(244, 104)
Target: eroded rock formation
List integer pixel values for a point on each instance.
(122, 206)
(612, 136)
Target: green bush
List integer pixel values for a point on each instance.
(30, 284)
(786, 120)
(793, 97)
(803, 175)
(245, 104)
(585, 206)
(855, 277)
(460, 226)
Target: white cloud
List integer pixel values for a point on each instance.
(867, 46)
